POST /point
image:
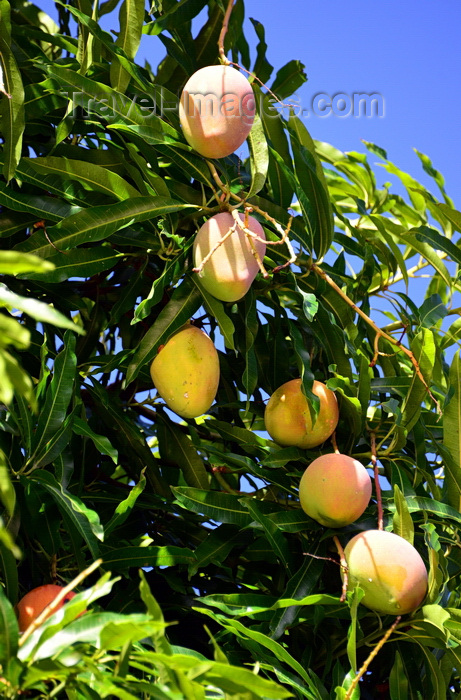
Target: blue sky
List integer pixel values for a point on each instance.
(409, 52)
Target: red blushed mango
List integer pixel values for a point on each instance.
(288, 420)
(228, 274)
(388, 569)
(186, 372)
(217, 110)
(335, 490)
(32, 604)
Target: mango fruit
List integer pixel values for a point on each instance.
(389, 569)
(36, 600)
(185, 372)
(288, 420)
(335, 490)
(216, 110)
(230, 271)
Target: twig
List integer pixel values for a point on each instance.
(374, 462)
(321, 273)
(344, 567)
(334, 443)
(215, 248)
(242, 201)
(225, 26)
(369, 659)
(54, 605)
(243, 226)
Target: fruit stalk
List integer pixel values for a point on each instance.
(363, 669)
(343, 565)
(379, 499)
(225, 26)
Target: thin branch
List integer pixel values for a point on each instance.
(344, 567)
(282, 232)
(334, 443)
(225, 26)
(370, 658)
(321, 273)
(215, 248)
(251, 237)
(374, 462)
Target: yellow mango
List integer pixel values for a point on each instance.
(216, 110)
(389, 569)
(228, 274)
(185, 372)
(335, 490)
(288, 420)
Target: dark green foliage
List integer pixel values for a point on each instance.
(99, 203)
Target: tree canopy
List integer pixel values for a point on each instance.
(196, 570)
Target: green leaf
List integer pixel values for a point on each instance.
(40, 206)
(9, 570)
(180, 450)
(277, 649)
(259, 156)
(101, 442)
(7, 492)
(402, 523)
(180, 13)
(299, 587)
(220, 507)
(184, 302)
(37, 309)
(9, 633)
(13, 333)
(274, 536)
(85, 520)
(262, 68)
(288, 79)
(58, 395)
(411, 239)
(217, 309)
(216, 546)
(12, 100)
(126, 506)
(131, 18)
(159, 639)
(353, 600)
(127, 557)
(452, 413)
(90, 175)
(312, 180)
(423, 348)
(15, 263)
(398, 682)
(438, 242)
(14, 380)
(97, 223)
(452, 214)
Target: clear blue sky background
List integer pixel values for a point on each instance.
(408, 51)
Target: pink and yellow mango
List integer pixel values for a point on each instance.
(389, 569)
(230, 271)
(335, 490)
(288, 420)
(217, 110)
(185, 372)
